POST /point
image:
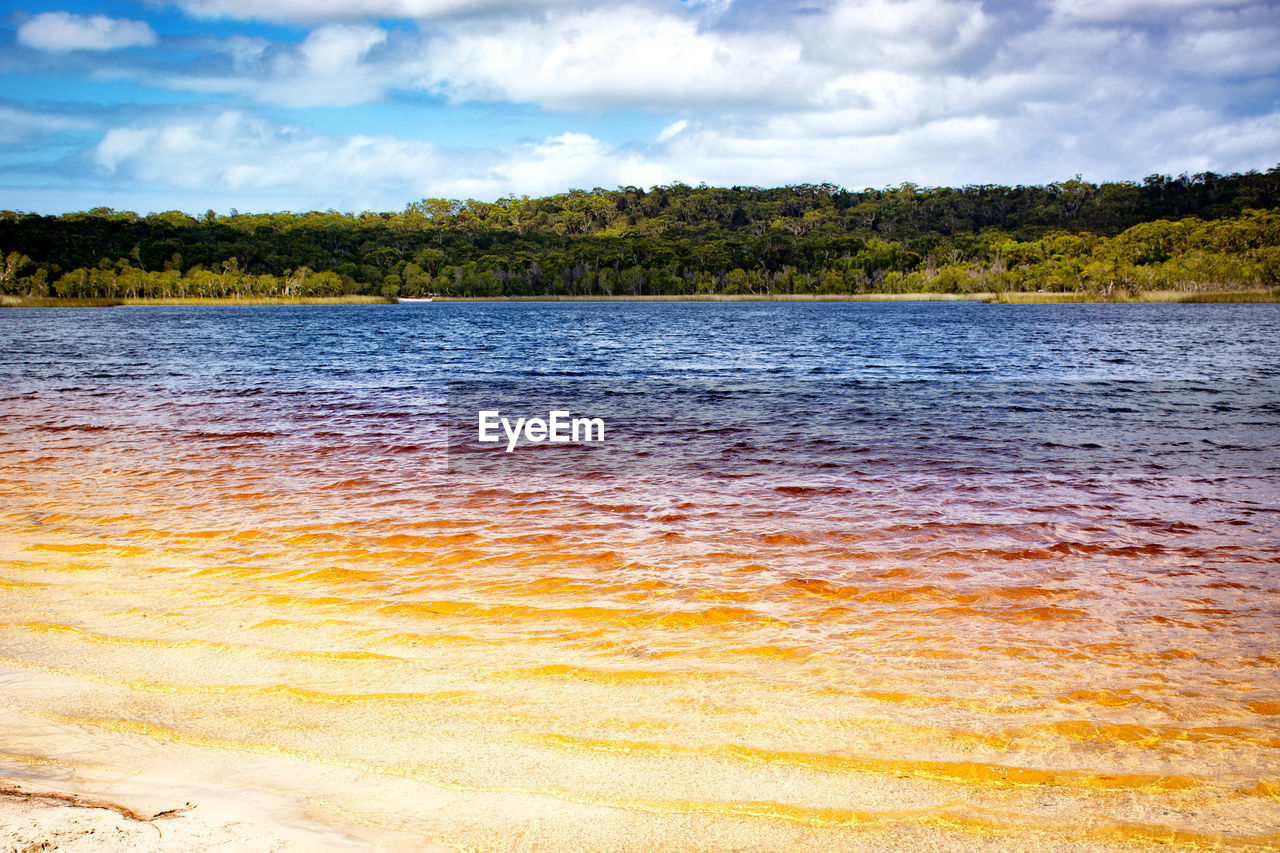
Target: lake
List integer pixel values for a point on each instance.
(839, 576)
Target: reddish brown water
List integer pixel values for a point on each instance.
(229, 576)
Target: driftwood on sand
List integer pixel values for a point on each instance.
(52, 797)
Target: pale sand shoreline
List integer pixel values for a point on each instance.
(60, 791)
(81, 788)
(37, 819)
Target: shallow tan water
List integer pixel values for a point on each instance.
(478, 673)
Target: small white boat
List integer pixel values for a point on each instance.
(413, 299)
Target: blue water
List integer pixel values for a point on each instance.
(1051, 386)
(326, 347)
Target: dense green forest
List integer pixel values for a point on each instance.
(1204, 232)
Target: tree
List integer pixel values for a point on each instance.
(14, 263)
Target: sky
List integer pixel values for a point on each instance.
(354, 105)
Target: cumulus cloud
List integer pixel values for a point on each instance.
(329, 63)
(243, 153)
(574, 160)
(1136, 11)
(293, 11)
(615, 57)
(62, 31)
(782, 153)
(623, 56)
(243, 50)
(875, 64)
(1236, 42)
(327, 68)
(237, 155)
(257, 163)
(858, 92)
(672, 129)
(627, 57)
(18, 124)
(905, 34)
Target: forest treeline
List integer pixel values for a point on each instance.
(1202, 232)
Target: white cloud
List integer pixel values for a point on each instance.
(605, 59)
(1028, 146)
(776, 153)
(255, 164)
(857, 92)
(1137, 11)
(293, 11)
(672, 129)
(243, 50)
(881, 102)
(23, 125)
(62, 31)
(329, 67)
(903, 35)
(335, 49)
(623, 56)
(891, 61)
(572, 160)
(1233, 43)
(1225, 148)
(256, 161)
(238, 153)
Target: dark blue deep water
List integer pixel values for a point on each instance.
(789, 386)
(342, 347)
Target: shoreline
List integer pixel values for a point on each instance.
(122, 302)
(1006, 298)
(35, 816)
(986, 297)
(81, 786)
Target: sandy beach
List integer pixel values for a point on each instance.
(33, 820)
(70, 797)
(49, 805)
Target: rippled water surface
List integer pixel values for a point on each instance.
(841, 577)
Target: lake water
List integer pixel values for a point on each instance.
(843, 576)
